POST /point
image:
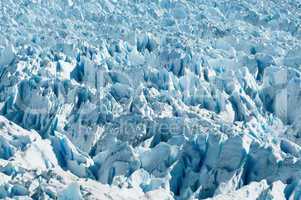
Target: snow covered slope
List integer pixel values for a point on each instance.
(163, 99)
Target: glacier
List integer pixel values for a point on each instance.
(153, 99)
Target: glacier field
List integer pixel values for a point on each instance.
(150, 99)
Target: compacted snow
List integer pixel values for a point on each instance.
(153, 99)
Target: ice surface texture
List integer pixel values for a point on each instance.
(164, 99)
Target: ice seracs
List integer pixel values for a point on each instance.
(150, 99)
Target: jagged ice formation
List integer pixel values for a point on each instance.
(164, 99)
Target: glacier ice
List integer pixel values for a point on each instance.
(165, 99)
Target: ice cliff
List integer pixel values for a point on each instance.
(163, 99)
